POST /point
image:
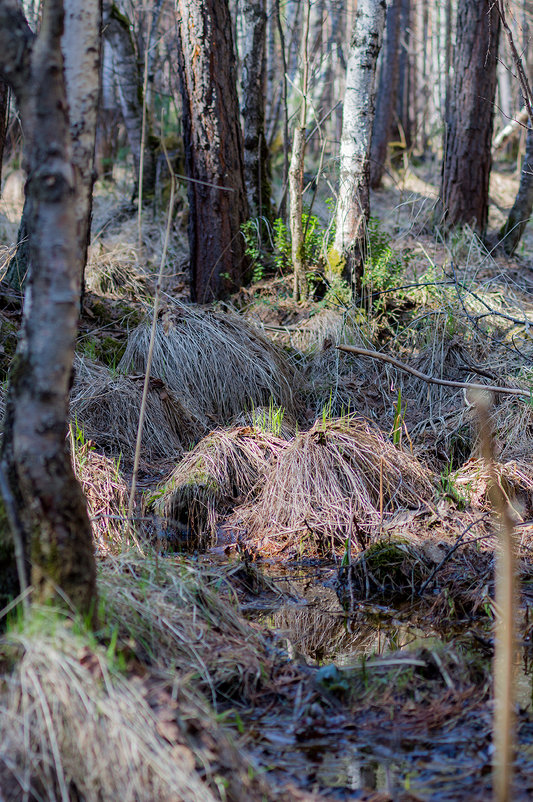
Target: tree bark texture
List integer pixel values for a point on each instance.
(4, 109)
(51, 505)
(116, 29)
(386, 94)
(353, 209)
(256, 156)
(464, 188)
(213, 149)
(296, 180)
(512, 231)
(81, 51)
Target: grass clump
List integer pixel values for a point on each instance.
(106, 405)
(220, 473)
(330, 483)
(217, 363)
(73, 728)
(105, 490)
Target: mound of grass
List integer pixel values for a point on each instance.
(221, 472)
(106, 493)
(330, 484)
(106, 405)
(218, 364)
(71, 727)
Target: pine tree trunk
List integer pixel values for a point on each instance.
(213, 149)
(386, 95)
(353, 210)
(464, 188)
(256, 156)
(50, 503)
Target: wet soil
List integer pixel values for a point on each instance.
(379, 705)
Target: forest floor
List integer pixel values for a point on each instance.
(304, 608)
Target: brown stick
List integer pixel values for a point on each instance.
(352, 349)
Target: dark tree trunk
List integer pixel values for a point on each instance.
(403, 116)
(129, 80)
(386, 94)
(49, 500)
(213, 149)
(4, 108)
(464, 189)
(519, 215)
(256, 156)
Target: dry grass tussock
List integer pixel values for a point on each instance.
(106, 405)
(217, 363)
(183, 618)
(72, 727)
(472, 481)
(220, 473)
(106, 493)
(330, 484)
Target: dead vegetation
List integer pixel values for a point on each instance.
(332, 484)
(217, 363)
(221, 472)
(105, 404)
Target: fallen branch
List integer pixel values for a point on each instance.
(352, 349)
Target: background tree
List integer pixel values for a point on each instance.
(4, 116)
(213, 149)
(464, 190)
(256, 156)
(386, 94)
(35, 458)
(353, 208)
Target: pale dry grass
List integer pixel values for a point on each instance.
(70, 727)
(221, 472)
(106, 492)
(331, 484)
(183, 617)
(106, 406)
(217, 363)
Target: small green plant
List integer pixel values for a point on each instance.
(398, 421)
(269, 421)
(449, 488)
(384, 267)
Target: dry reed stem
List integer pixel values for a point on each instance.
(506, 607)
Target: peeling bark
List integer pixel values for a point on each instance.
(353, 209)
(49, 500)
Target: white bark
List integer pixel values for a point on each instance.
(353, 209)
(81, 52)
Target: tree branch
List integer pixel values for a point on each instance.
(352, 349)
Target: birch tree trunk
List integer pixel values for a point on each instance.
(4, 109)
(81, 52)
(256, 157)
(353, 208)
(464, 190)
(116, 28)
(48, 499)
(213, 149)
